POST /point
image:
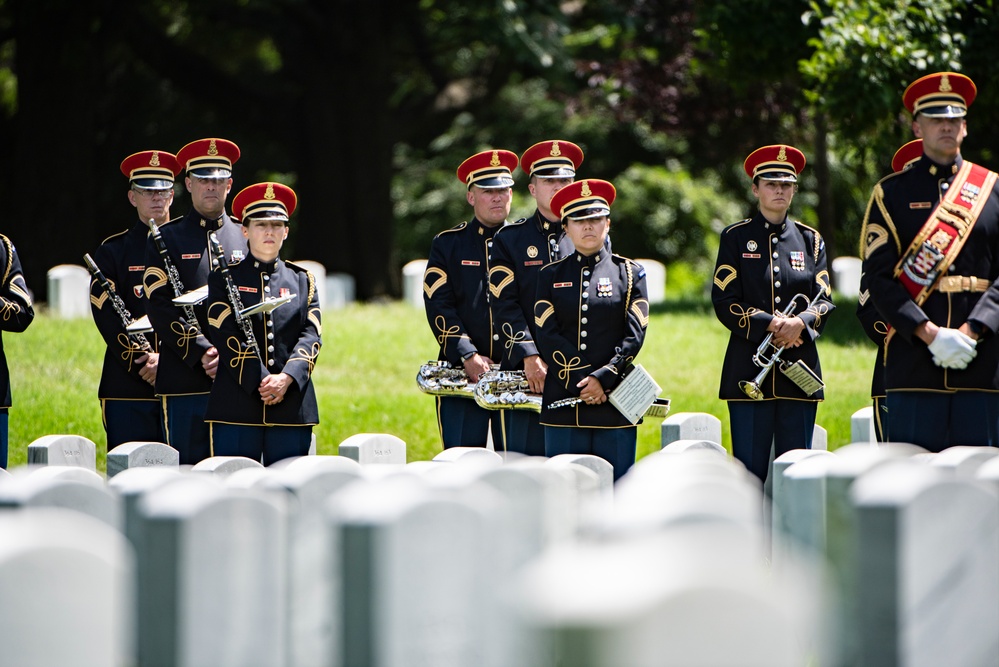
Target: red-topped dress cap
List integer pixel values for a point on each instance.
(775, 163)
(209, 158)
(588, 198)
(264, 201)
(151, 170)
(488, 169)
(940, 95)
(907, 154)
(552, 159)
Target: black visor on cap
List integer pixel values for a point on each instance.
(554, 172)
(152, 184)
(210, 172)
(586, 213)
(493, 182)
(944, 111)
(779, 176)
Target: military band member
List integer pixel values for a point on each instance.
(188, 360)
(519, 251)
(766, 263)
(129, 406)
(15, 302)
(870, 319)
(932, 261)
(456, 296)
(263, 403)
(591, 313)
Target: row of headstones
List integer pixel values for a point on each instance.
(908, 543)
(469, 559)
(69, 289)
(412, 280)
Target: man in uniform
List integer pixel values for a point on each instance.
(456, 295)
(129, 405)
(180, 261)
(932, 261)
(765, 264)
(15, 301)
(519, 251)
(870, 319)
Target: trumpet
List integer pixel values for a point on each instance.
(768, 355)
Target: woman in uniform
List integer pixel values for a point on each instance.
(765, 263)
(591, 313)
(262, 404)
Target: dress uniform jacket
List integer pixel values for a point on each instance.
(456, 292)
(761, 267)
(289, 339)
(591, 314)
(902, 203)
(519, 251)
(876, 329)
(16, 311)
(122, 260)
(182, 343)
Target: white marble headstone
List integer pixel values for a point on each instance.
(412, 282)
(66, 582)
(64, 450)
(655, 279)
(691, 426)
(69, 291)
(225, 465)
(374, 448)
(141, 454)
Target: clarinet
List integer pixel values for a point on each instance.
(138, 339)
(245, 324)
(172, 274)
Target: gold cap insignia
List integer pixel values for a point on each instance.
(556, 152)
(269, 192)
(782, 154)
(945, 84)
(212, 148)
(532, 252)
(154, 159)
(585, 189)
(495, 162)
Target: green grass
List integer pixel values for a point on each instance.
(365, 375)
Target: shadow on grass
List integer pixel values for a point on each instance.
(843, 327)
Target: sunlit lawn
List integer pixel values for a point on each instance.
(365, 375)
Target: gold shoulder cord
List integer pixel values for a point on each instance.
(10, 258)
(627, 296)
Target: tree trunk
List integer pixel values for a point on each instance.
(53, 212)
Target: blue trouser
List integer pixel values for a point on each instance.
(615, 445)
(463, 423)
(4, 417)
(266, 443)
(524, 432)
(132, 421)
(756, 425)
(186, 429)
(880, 419)
(938, 421)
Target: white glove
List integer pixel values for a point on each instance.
(952, 349)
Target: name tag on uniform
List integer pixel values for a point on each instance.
(536, 262)
(920, 204)
(470, 262)
(750, 255)
(557, 285)
(191, 255)
(138, 269)
(248, 289)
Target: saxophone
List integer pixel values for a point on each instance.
(138, 339)
(495, 390)
(245, 325)
(173, 275)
